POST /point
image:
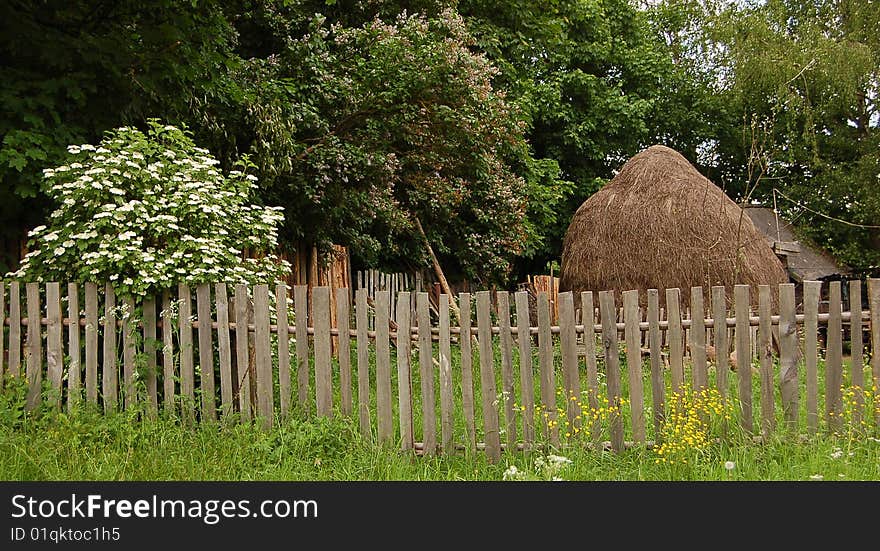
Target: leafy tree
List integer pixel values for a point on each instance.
(146, 211)
(365, 131)
(800, 81)
(72, 69)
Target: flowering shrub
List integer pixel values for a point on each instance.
(147, 211)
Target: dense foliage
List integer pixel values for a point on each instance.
(487, 122)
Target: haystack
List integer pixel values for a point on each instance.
(661, 224)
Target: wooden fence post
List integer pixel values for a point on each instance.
(743, 355)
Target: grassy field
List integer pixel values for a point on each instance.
(91, 446)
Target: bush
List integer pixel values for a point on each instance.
(147, 211)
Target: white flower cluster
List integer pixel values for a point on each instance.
(148, 211)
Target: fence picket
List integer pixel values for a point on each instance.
(385, 424)
(129, 391)
(404, 371)
(743, 354)
(187, 371)
(719, 339)
(426, 374)
(524, 340)
(206, 351)
(242, 352)
(467, 369)
(224, 349)
(812, 290)
(363, 361)
(54, 350)
(74, 371)
(508, 392)
(658, 388)
(612, 367)
(150, 379)
(834, 359)
(15, 328)
(343, 321)
(109, 376)
(283, 322)
(765, 357)
(700, 374)
(34, 358)
(633, 339)
(874, 306)
(263, 356)
(545, 365)
(788, 354)
(674, 337)
(857, 375)
(487, 378)
(592, 366)
(168, 400)
(301, 315)
(446, 402)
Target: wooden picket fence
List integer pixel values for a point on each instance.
(482, 380)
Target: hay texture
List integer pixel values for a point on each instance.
(661, 224)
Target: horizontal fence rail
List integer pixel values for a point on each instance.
(434, 380)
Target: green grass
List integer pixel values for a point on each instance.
(86, 445)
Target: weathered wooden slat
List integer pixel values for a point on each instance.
(263, 356)
(301, 314)
(570, 371)
(168, 399)
(719, 339)
(426, 373)
(857, 360)
(242, 351)
(834, 359)
(150, 332)
(224, 349)
(633, 339)
(206, 352)
(592, 367)
(487, 378)
(54, 346)
(109, 375)
(674, 337)
(343, 321)
(34, 357)
(187, 371)
(404, 371)
(788, 355)
(508, 391)
(765, 356)
(812, 290)
(526, 377)
(697, 341)
(15, 328)
(283, 322)
(743, 355)
(612, 367)
(74, 371)
(547, 370)
(467, 369)
(658, 385)
(363, 361)
(385, 423)
(874, 306)
(129, 388)
(447, 443)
